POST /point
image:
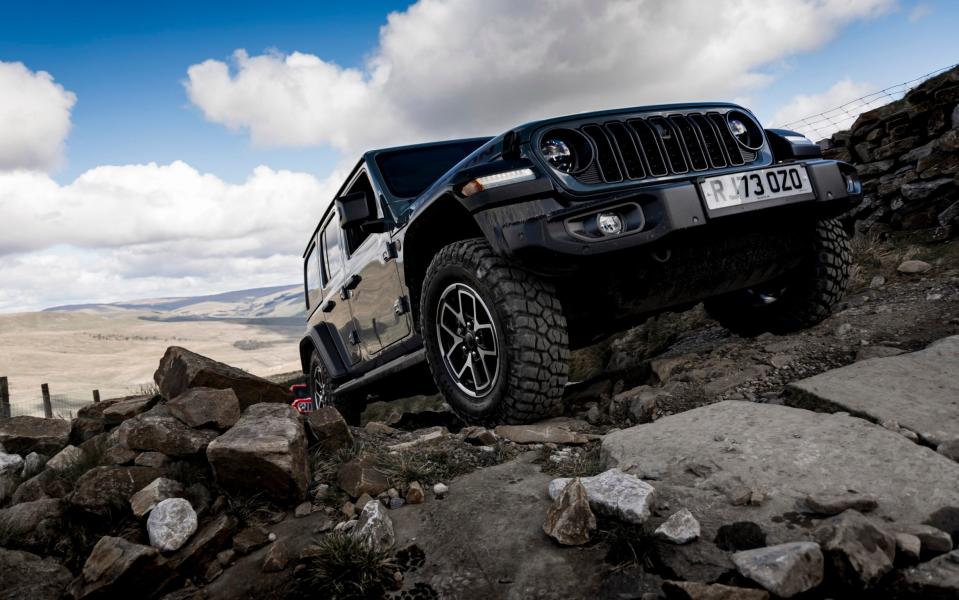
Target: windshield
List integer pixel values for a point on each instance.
(410, 171)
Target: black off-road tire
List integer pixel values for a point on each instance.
(351, 407)
(530, 327)
(804, 296)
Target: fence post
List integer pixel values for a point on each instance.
(47, 407)
(96, 395)
(5, 412)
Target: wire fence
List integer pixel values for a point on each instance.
(824, 124)
(56, 406)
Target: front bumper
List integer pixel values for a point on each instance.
(526, 227)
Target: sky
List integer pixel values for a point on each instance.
(164, 149)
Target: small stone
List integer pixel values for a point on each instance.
(397, 503)
(171, 524)
(414, 494)
(914, 266)
(348, 510)
(156, 491)
(680, 528)
(225, 557)
(393, 493)
(345, 527)
(877, 282)
(833, 504)
(271, 537)
(250, 539)
(277, 558)
(540, 433)
(908, 549)
(785, 570)
(361, 502)
(303, 510)
(933, 541)
(843, 330)
(569, 520)
(440, 490)
(375, 527)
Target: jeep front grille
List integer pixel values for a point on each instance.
(659, 146)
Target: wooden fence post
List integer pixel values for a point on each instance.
(5, 411)
(47, 407)
(96, 395)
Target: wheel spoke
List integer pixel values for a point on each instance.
(485, 369)
(456, 337)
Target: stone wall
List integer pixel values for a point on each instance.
(907, 153)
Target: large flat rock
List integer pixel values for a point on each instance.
(486, 540)
(919, 390)
(711, 458)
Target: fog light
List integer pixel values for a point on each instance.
(609, 223)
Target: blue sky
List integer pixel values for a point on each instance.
(188, 148)
(126, 62)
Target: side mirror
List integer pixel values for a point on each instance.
(354, 210)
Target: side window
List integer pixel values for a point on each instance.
(332, 252)
(354, 235)
(311, 276)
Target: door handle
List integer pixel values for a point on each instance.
(352, 282)
(328, 306)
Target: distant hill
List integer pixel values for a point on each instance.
(274, 303)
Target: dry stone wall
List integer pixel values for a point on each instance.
(907, 153)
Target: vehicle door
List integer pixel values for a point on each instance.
(335, 306)
(377, 301)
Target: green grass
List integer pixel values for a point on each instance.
(349, 569)
(251, 510)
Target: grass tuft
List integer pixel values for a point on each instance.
(627, 545)
(346, 568)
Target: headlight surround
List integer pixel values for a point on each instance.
(566, 150)
(745, 129)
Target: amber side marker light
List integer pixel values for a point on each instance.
(488, 182)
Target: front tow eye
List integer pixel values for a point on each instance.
(662, 256)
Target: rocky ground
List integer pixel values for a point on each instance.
(689, 463)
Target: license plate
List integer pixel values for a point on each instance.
(736, 189)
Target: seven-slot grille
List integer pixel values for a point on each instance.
(660, 146)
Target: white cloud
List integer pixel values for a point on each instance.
(118, 233)
(825, 113)
(34, 118)
(467, 67)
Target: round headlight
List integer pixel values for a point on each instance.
(746, 131)
(558, 154)
(566, 150)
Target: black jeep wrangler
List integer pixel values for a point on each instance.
(489, 259)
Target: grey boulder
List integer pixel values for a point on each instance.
(615, 494)
(206, 407)
(858, 552)
(171, 523)
(23, 435)
(569, 520)
(265, 450)
(103, 489)
(785, 570)
(181, 369)
(375, 528)
(156, 491)
(157, 430)
(25, 575)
